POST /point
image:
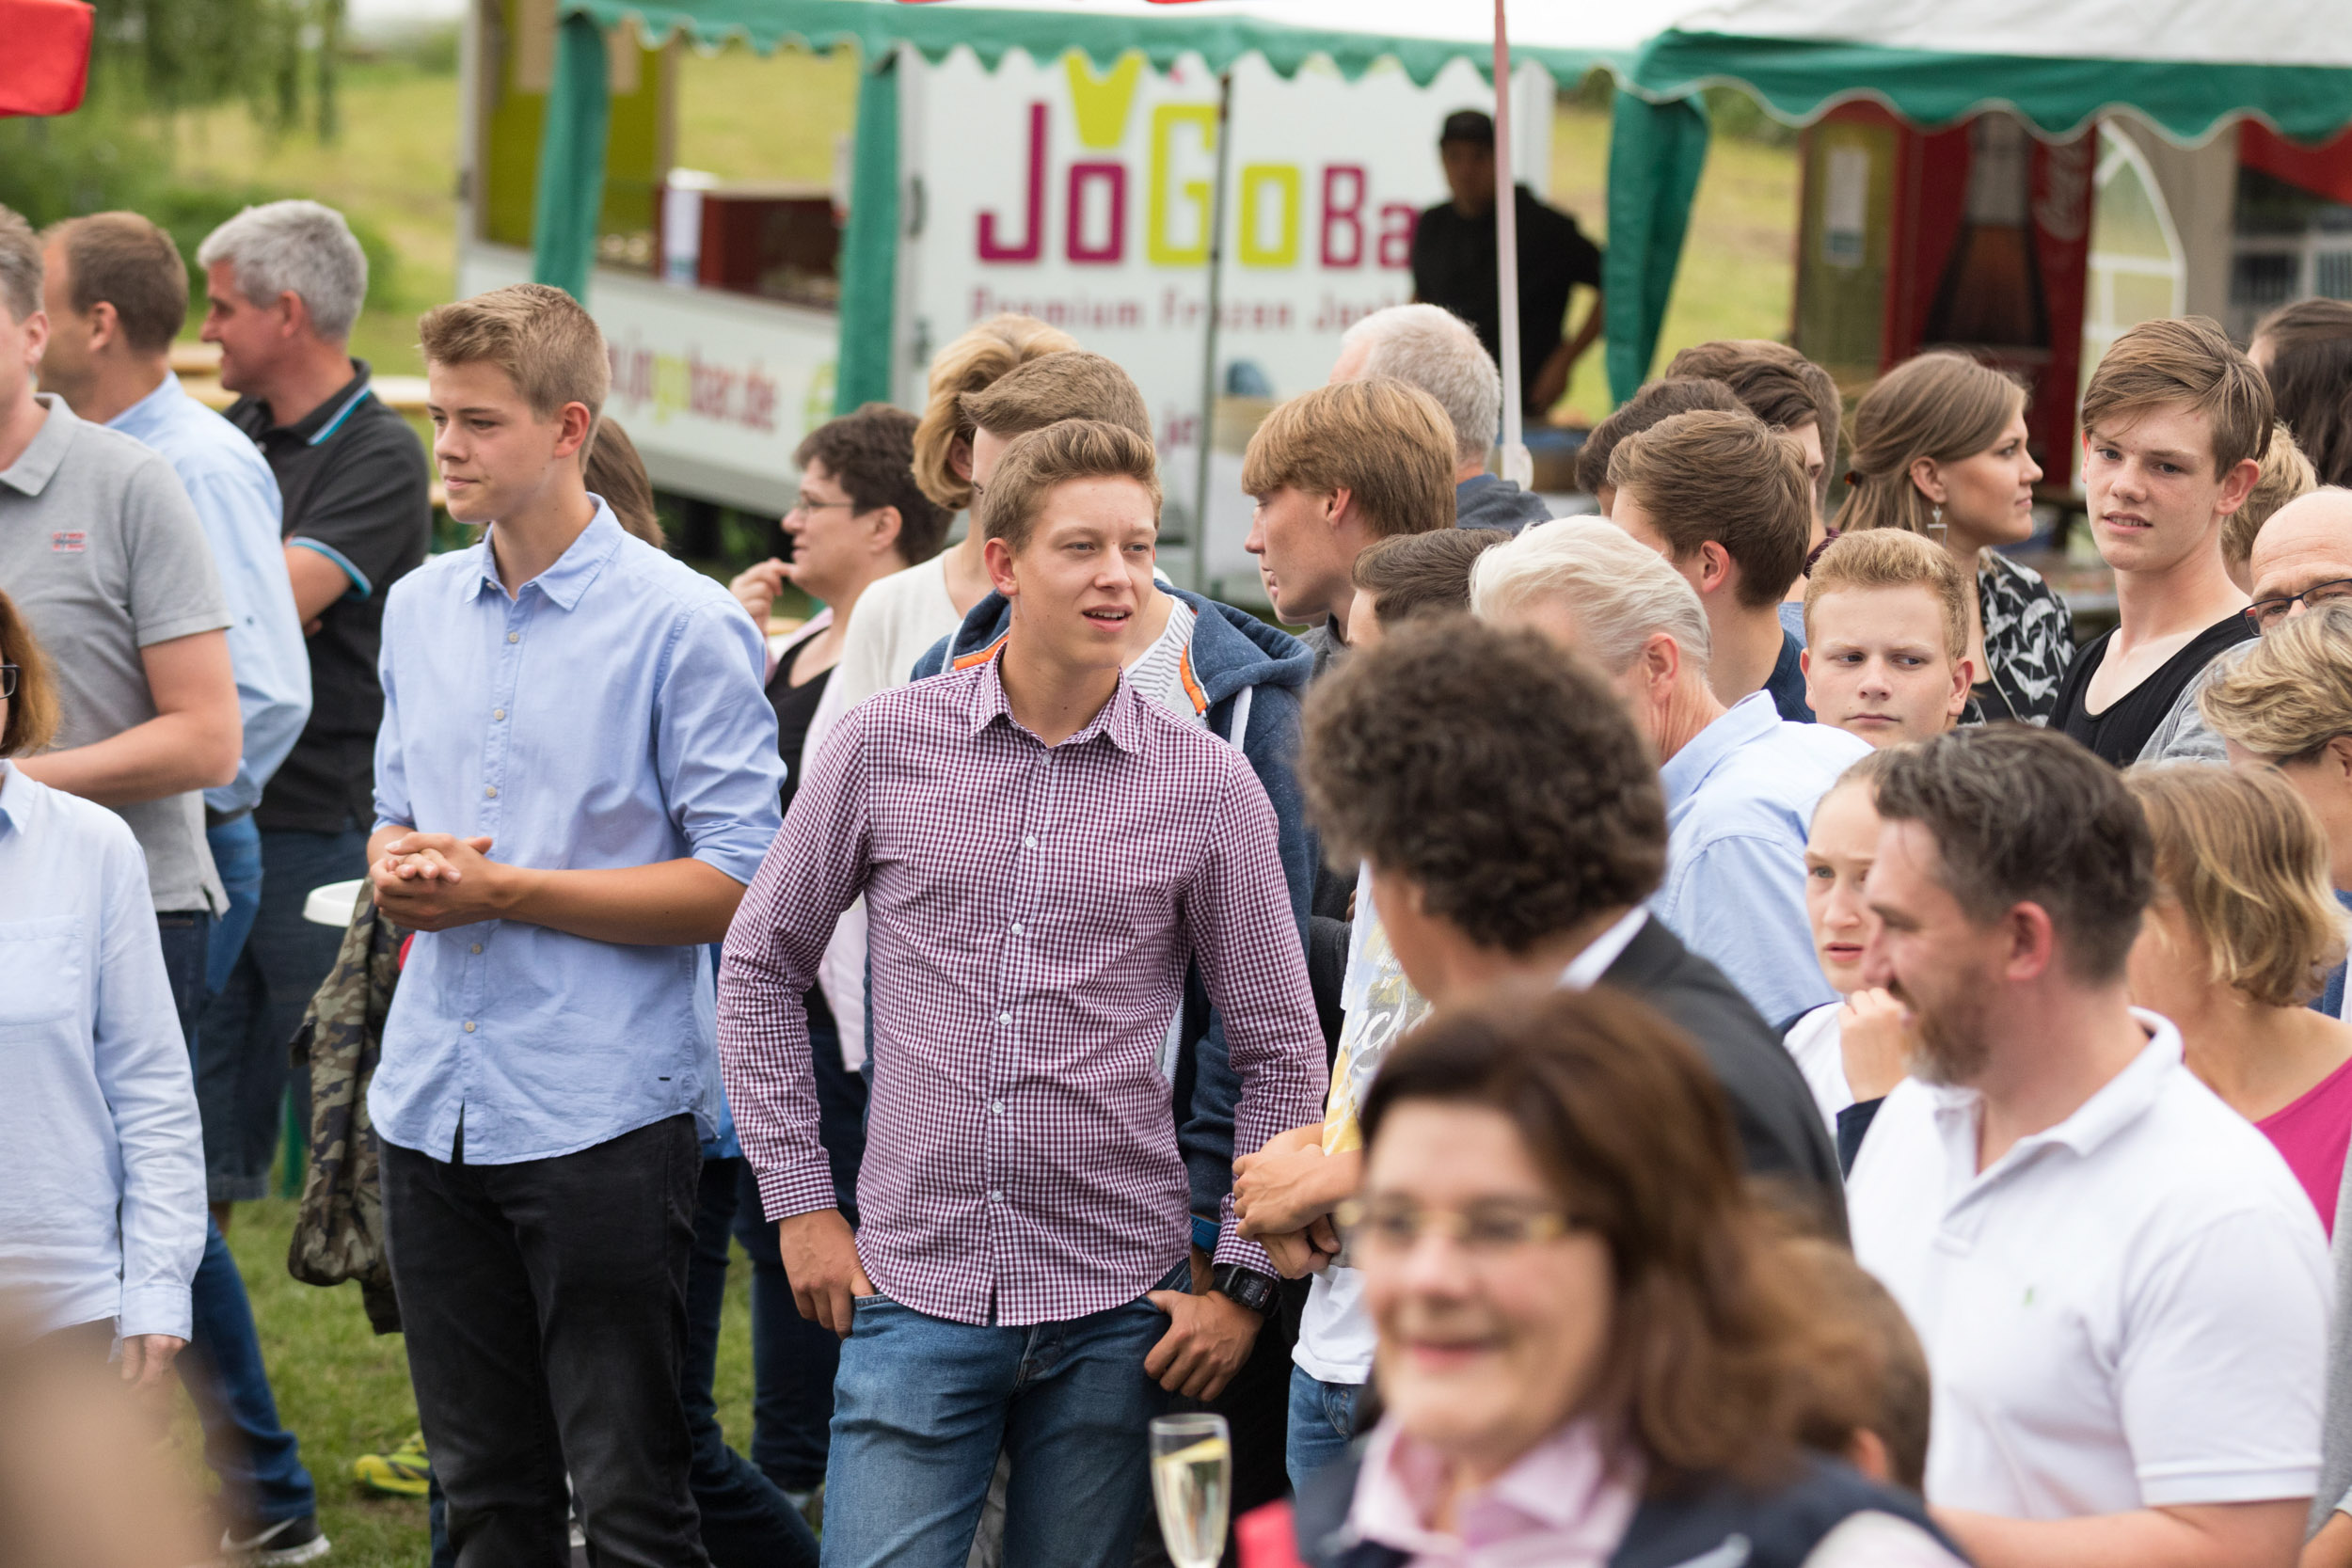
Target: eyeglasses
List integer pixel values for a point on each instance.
(1390, 1226)
(7, 682)
(802, 503)
(2265, 614)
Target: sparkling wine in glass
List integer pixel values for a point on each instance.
(1192, 1479)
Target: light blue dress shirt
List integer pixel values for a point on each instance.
(101, 1158)
(609, 715)
(1739, 805)
(236, 497)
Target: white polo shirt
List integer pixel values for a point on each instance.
(2127, 1311)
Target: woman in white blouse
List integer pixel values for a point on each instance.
(101, 1163)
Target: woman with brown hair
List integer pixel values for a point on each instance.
(1588, 1351)
(1940, 449)
(2304, 350)
(2239, 938)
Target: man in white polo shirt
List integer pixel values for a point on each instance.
(2124, 1308)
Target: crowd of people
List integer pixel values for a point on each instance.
(1704, 1032)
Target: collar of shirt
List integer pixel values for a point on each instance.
(15, 799)
(1562, 1496)
(1744, 722)
(1121, 720)
(1585, 969)
(2119, 1102)
(574, 570)
(253, 414)
(146, 417)
(38, 463)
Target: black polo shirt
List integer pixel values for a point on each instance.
(356, 489)
(1454, 265)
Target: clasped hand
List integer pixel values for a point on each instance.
(434, 882)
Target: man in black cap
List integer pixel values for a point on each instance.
(1454, 262)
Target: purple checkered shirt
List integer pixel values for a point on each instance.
(1032, 910)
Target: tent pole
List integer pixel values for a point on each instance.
(1516, 465)
(1208, 343)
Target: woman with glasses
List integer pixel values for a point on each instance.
(1585, 1352)
(102, 1162)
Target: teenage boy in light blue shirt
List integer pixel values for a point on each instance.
(576, 776)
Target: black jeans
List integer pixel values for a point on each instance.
(543, 1305)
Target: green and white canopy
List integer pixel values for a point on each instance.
(2185, 68)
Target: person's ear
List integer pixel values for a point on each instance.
(574, 424)
(1964, 682)
(1336, 505)
(2032, 941)
(2339, 755)
(1927, 474)
(2237, 485)
(1865, 1450)
(106, 327)
(959, 458)
(1715, 567)
(292, 315)
(998, 558)
(883, 523)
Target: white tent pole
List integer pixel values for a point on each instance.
(1516, 465)
(1208, 341)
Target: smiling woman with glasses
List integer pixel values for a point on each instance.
(1586, 1352)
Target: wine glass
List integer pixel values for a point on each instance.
(1192, 1481)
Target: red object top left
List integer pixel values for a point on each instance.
(45, 66)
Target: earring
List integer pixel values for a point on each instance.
(1935, 525)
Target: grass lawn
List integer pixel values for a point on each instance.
(343, 1390)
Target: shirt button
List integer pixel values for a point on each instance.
(1005, 1019)
(498, 713)
(1029, 842)
(996, 1108)
(490, 791)
(513, 637)
(477, 947)
(1016, 927)
(469, 1026)
(995, 1197)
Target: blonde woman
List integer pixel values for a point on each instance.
(1940, 450)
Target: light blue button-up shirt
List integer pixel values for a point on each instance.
(1739, 805)
(236, 497)
(102, 1159)
(609, 715)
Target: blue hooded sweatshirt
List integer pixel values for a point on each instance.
(1253, 676)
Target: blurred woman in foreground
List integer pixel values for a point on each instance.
(1585, 1353)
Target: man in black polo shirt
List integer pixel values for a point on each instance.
(1454, 262)
(284, 282)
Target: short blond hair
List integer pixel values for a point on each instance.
(2246, 859)
(2286, 475)
(1889, 557)
(2184, 362)
(972, 361)
(1619, 590)
(539, 335)
(1034, 465)
(2289, 692)
(1388, 443)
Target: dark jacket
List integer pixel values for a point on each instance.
(1236, 659)
(1781, 1135)
(1722, 1523)
(1489, 500)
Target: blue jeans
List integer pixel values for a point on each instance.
(922, 1407)
(241, 1073)
(1322, 1423)
(259, 1463)
(237, 856)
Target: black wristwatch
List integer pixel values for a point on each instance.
(1246, 1288)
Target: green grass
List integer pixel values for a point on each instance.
(344, 1391)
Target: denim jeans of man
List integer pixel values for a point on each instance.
(1322, 1423)
(543, 1305)
(258, 1461)
(922, 1407)
(794, 1359)
(236, 847)
(242, 1074)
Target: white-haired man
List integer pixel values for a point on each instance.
(1432, 348)
(1741, 781)
(284, 282)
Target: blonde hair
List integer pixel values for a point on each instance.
(1036, 464)
(1619, 590)
(2286, 475)
(2246, 861)
(1387, 443)
(2289, 692)
(1941, 407)
(1888, 557)
(967, 365)
(539, 335)
(2183, 361)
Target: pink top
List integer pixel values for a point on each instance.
(1559, 1507)
(2311, 1133)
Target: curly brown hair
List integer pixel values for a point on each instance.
(1499, 775)
(1709, 1367)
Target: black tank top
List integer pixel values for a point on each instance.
(795, 706)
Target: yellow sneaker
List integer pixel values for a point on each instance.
(405, 1472)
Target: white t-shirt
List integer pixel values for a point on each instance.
(1818, 1043)
(2128, 1310)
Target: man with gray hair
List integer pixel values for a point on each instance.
(284, 282)
(1432, 348)
(1741, 781)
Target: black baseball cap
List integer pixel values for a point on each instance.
(1470, 125)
